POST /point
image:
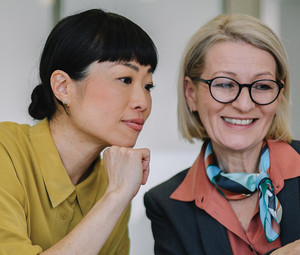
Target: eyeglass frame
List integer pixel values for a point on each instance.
(241, 86)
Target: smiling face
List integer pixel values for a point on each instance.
(110, 106)
(240, 125)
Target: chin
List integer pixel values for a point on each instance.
(240, 145)
(127, 144)
(233, 143)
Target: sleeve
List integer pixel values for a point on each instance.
(124, 246)
(14, 233)
(165, 236)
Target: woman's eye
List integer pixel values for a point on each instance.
(224, 85)
(149, 86)
(126, 80)
(262, 86)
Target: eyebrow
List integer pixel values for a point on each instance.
(265, 73)
(135, 68)
(256, 75)
(131, 66)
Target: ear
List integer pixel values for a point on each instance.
(190, 90)
(281, 93)
(60, 83)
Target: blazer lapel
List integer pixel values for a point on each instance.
(289, 198)
(212, 234)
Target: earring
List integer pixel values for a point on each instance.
(65, 105)
(191, 110)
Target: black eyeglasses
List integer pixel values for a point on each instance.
(225, 90)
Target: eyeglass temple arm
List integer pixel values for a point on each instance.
(200, 79)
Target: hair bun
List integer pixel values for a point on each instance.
(40, 107)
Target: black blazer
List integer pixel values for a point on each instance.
(181, 228)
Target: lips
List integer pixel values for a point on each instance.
(135, 124)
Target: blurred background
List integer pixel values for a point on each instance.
(25, 25)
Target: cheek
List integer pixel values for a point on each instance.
(208, 108)
(149, 109)
(101, 96)
(270, 111)
(269, 116)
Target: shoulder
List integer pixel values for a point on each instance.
(164, 190)
(13, 126)
(160, 207)
(11, 131)
(296, 145)
(12, 171)
(14, 139)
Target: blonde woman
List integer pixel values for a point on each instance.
(241, 196)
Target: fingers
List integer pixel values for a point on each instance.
(146, 165)
(126, 168)
(145, 174)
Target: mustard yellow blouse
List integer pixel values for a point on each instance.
(39, 205)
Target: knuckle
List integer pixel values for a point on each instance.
(131, 153)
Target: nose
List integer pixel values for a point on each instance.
(141, 98)
(244, 102)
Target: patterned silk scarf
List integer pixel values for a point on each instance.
(234, 186)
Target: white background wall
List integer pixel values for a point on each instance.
(290, 33)
(24, 26)
(283, 17)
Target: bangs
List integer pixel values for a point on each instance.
(95, 35)
(122, 40)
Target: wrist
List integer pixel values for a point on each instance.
(117, 197)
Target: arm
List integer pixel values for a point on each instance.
(166, 239)
(126, 170)
(14, 235)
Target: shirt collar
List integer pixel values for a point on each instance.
(56, 178)
(193, 187)
(57, 181)
(285, 163)
(92, 188)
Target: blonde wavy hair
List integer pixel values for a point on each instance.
(240, 28)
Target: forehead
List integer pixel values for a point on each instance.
(238, 57)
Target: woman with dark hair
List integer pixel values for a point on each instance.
(57, 195)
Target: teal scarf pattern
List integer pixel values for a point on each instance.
(235, 186)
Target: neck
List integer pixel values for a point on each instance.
(76, 151)
(231, 161)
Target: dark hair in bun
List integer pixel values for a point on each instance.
(81, 39)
